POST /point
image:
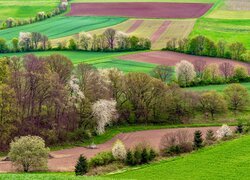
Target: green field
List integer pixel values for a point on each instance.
(61, 26)
(227, 30)
(229, 160)
(218, 88)
(97, 59)
(25, 8)
(193, 1)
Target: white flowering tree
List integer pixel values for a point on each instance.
(76, 93)
(224, 131)
(185, 72)
(119, 151)
(41, 15)
(25, 40)
(104, 111)
(84, 40)
(122, 40)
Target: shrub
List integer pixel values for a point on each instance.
(29, 152)
(152, 154)
(101, 159)
(137, 156)
(224, 131)
(81, 167)
(197, 139)
(119, 151)
(144, 156)
(239, 128)
(210, 138)
(130, 158)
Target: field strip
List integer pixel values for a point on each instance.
(160, 31)
(136, 24)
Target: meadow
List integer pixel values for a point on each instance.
(61, 26)
(97, 59)
(25, 8)
(227, 160)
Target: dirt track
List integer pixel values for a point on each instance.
(141, 9)
(172, 58)
(64, 160)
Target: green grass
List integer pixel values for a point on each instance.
(228, 160)
(228, 30)
(97, 59)
(21, 9)
(193, 1)
(218, 88)
(62, 26)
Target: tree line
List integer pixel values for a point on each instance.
(199, 73)
(40, 16)
(110, 40)
(49, 97)
(203, 46)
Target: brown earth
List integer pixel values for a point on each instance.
(157, 34)
(136, 24)
(141, 9)
(65, 160)
(172, 58)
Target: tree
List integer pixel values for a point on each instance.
(185, 73)
(224, 131)
(144, 156)
(237, 97)
(221, 48)
(198, 139)
(240, 73)
(72, 44)
(36, 38)
(227, 69)
(81, 167)
(104, 111)
(44, 42)
(210, 136)
(130, 158)
(3, 46)
(199, 66)
(109, 35)
(211, 74)
(163, 72)
(25, 40)
(237, 50)
(122, 40)
(212, 102)
(84, 40)
(29, 152)
(119, 151)
(9, 22)
(14, 42)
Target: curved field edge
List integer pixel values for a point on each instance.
(226, 160)
(189, 166)
(62, 26)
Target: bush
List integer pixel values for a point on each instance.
(101, 159)
(130, 158)
(152, 154)
(198, 139)
(29, 152)
(239, 128)
(81, 167)
(210, 138)
(144, 156)
(119, 151)
(224, 131)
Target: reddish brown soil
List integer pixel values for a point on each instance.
(136, 24)
(157, 34)
(172, 58)
(65, 160)
(141, 9)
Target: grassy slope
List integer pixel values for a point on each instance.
(25, 8)
(97, 59)
(229, 160)
(218, 88)
(61, 26)
(193, 1)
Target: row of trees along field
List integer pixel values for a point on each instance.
(11, 22)
(200, 73)
(203, 46)
(110, 40)
(51, 98)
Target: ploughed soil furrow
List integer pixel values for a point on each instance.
(136, 24)
(172, 58)
(157, 34)
(65, 160)
(141, 9)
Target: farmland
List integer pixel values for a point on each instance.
(62, 26)
(225, 160)
(25, 8)
(97, 59)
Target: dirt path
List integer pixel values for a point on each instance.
(65, 160)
